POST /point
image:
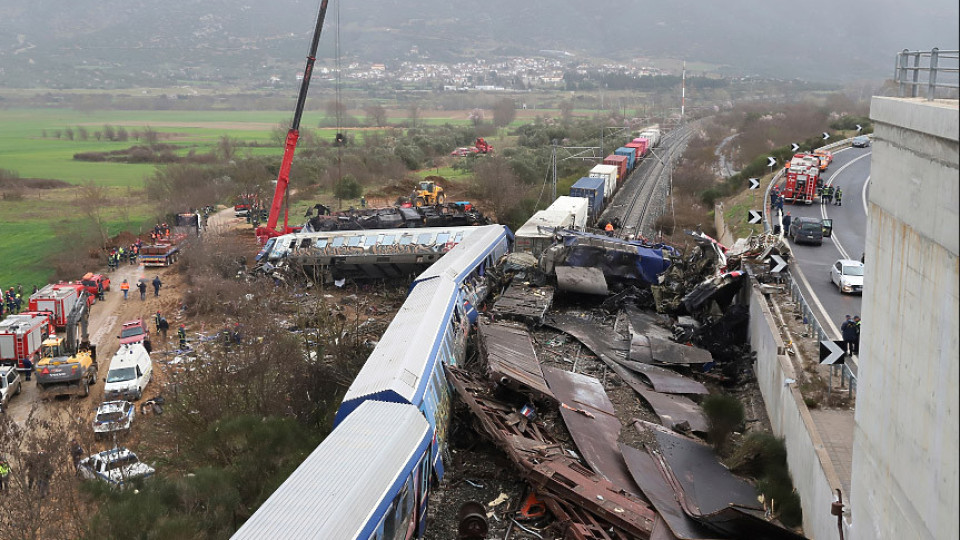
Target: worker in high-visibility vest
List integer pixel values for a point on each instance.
(609, 229)
(125, 288)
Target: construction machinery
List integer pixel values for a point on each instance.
(68, 362)
(482, 146)
(283, 178)
(428, 192)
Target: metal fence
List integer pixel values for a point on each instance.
(934, 70)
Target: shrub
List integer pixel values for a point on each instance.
(764, 457)
(348, 188)
(725, 414)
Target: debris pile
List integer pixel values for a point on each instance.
(394, 217)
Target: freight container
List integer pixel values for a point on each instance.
(21, 336)
(575, 206)
(609, 174)
(630, 154)
(590, 189)
(621, 163)
(652, 133)
(644, 145)
(536, 234)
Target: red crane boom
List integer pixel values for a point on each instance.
(283, 179)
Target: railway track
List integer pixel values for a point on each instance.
(633, 204)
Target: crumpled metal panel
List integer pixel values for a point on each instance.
(592, 421)
(512, 359)
(669, 352)
(675, 411)
(582, 280)
(524, 302)
(651, 482)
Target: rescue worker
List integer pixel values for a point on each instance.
(163, 326)
(856, 343)
(829, 194)
(848, 330)
(4, 474)
(839, 197)
(182, 335)
(18, 301)
(156, 286)
(821, 191)
(156, 320)
(28, 368)
(363, 202)
(76, 453)
(143, 290)
(125, 288)
(609, 229)
(100, 290)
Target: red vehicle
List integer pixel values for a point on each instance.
(482, 146)
(621, 164)
(464, 151)
(803, 179)
(92, 282)
(134, 331)
(58, 300)
(21, 337)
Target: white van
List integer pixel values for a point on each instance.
(130, 372)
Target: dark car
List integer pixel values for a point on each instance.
(806, 230)
(861, 141)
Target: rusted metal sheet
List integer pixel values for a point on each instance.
(668, 352)
(611, 349)
(579, 525)
(511, 358)
(651, 482)
(592, 421)
(548, 468)
(676, 412)
(524, 302)
(708, 492)
(586, 280)
(647, 323)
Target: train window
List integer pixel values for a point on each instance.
(354, 241)
(424, 239)
(458, 238)
(371, 240)
(442, 238)
(406, 240)
(388, 240)
(338, 241)
(306, 243)
(321, 243)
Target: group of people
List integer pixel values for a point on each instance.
(39, 469)
(119, 255)
(850, 331)
(161, 231)
(13, 299)
(831, 195)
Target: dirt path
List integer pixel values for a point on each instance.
(106, 318)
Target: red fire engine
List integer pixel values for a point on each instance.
(803, 179)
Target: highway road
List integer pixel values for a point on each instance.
(850, 171)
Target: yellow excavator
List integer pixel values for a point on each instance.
(427, 193)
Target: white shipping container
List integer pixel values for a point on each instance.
(575, 206)
(530, 239)
(609, 174)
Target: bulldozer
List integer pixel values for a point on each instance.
(427, 193)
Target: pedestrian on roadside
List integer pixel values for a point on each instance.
(76, 453)
(156, 286)
(786, 224)
(125, 289)
(28, 368)
(839, 197)
(848, 331)
(856, 343)
(163, 326)
(4, 473)
(143, 290)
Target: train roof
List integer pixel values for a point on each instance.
(423, 236)
(344, 486)
(402, 362)
(461, 260)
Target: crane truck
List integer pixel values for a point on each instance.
(68, 362)
(283, 178)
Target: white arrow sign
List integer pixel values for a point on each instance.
(794, 146)
(830, 353)
(826, 135)
(754, 217)
(859, 128)
(771, 161)
(754, 183)
(781, 264)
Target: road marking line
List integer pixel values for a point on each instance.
(863, 195)
(816, 300)
(823, 207)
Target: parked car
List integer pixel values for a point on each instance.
(10, 384)
(113, 416)
(130, 372)
(117, 467)
(134, 331)
(860, 141)
(806, 230)
(847, 275)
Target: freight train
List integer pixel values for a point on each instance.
(603, 180)
(371, 477)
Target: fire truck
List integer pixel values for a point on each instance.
(21, 337)
(58, 300)
(803, 179)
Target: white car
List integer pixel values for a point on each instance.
(847, 275)
(10, 384)
(116, 467)
(113, 416)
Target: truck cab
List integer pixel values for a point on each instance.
(92, 283)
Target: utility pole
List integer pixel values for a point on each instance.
(553, 164)
(683, 91)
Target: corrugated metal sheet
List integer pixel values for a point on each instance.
(510, 355)
(459, 260)
(400, 360)
(334, 492)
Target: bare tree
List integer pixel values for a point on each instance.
(150, 136)
(376, 115)
(566, 110)
(94, 200)
(109, 133)
(504, 111)
(476, 117)
(68, 133)
(82, 133)
(495, 182)
(414, 114)
(122, 134)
